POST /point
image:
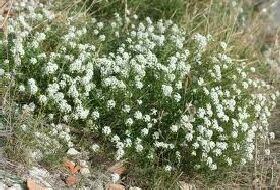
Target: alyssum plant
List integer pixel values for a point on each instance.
(146, 87)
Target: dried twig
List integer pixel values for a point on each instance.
(6, 14)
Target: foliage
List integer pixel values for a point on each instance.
(157, 94)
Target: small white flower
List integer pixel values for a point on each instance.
(43, 99)
(213, 167)
(138, 115)
(168, 168)
(189, 137)
(139, 147)
(111, 104)
(95, 115)
(272, 135)
(174, 128)
(51, 68)
(126, 108)
(2, 72)
(200, 81)
(106, 130)
(95, 147)
(32, 86)
(229, 161)
(167, 90)
(177, 97)
(253, 69)
(33, 60)
(129, 122)
(23, 127)
(223, 45)
(21, 88)
(144, 131)
(102, 38)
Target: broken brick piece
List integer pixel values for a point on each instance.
(71, 166)
(71, 180)
(75, 170)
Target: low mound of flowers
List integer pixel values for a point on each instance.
(148, 88)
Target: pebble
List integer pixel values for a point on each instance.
(85, 171)
(40, 175)
(2, 185)
(39, 172)
(83, 163)
(73, 152)
(15, 187)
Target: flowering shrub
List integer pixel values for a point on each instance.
(146, 87)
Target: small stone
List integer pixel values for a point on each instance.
(85, 171)
(40, 175)
(3, 185)
(73, 152)
(15, 187)
(39, 172)
(113, 186)
(83, 163)
(135, 188)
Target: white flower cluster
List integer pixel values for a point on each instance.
(147, 90)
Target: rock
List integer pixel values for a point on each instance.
(113, 186)
(3, 185)
(39, 172)
(85, 171)
(9, 178)
(97, 185)
(32, 185)
(15, 187)
(72, 152)
(71, 180)
(40, 175)
(83, 163)
(135, 188)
